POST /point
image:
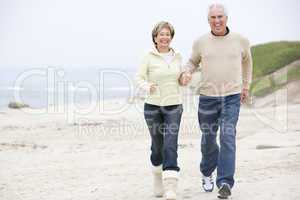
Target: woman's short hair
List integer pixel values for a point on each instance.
(159, 26)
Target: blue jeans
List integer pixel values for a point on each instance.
(219, 113)
(163, 123)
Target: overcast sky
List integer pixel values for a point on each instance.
(115, 33)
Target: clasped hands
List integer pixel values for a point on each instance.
(185, 78)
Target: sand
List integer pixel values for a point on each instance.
(93, 155)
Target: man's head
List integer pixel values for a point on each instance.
(217, 18)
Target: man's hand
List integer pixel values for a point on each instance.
(185, 78)
(244, 95)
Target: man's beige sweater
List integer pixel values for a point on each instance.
(225, 63)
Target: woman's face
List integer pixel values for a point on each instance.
(163, 38)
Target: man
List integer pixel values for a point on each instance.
(226, 69)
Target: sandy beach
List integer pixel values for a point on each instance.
(97, 155)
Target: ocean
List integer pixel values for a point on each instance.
(42, 86)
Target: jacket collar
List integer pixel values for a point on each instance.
(154, 51)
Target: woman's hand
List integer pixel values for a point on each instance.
(153, 88)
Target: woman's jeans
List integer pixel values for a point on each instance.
(219, 113)
(163, 123)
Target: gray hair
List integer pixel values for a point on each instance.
(217, 5)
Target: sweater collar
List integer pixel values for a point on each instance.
(227, 32)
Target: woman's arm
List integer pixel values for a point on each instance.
(142, 77)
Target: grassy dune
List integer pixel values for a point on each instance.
(267, 59)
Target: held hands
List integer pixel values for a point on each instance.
(185, 78)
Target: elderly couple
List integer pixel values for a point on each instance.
(226, 67)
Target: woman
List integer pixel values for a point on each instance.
(158, 75)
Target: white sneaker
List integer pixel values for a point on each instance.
(207, 183)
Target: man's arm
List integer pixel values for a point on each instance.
(247, 65)
(195, 59)
(247, 69)
(191, 65)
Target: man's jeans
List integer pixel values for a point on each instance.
(163, 123)
(215, 113)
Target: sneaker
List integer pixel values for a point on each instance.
(224, 191)
(207, 183)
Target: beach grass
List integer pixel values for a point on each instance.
(269, 58)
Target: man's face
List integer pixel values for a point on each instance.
(217, 20)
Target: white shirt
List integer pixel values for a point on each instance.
(168, 57)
